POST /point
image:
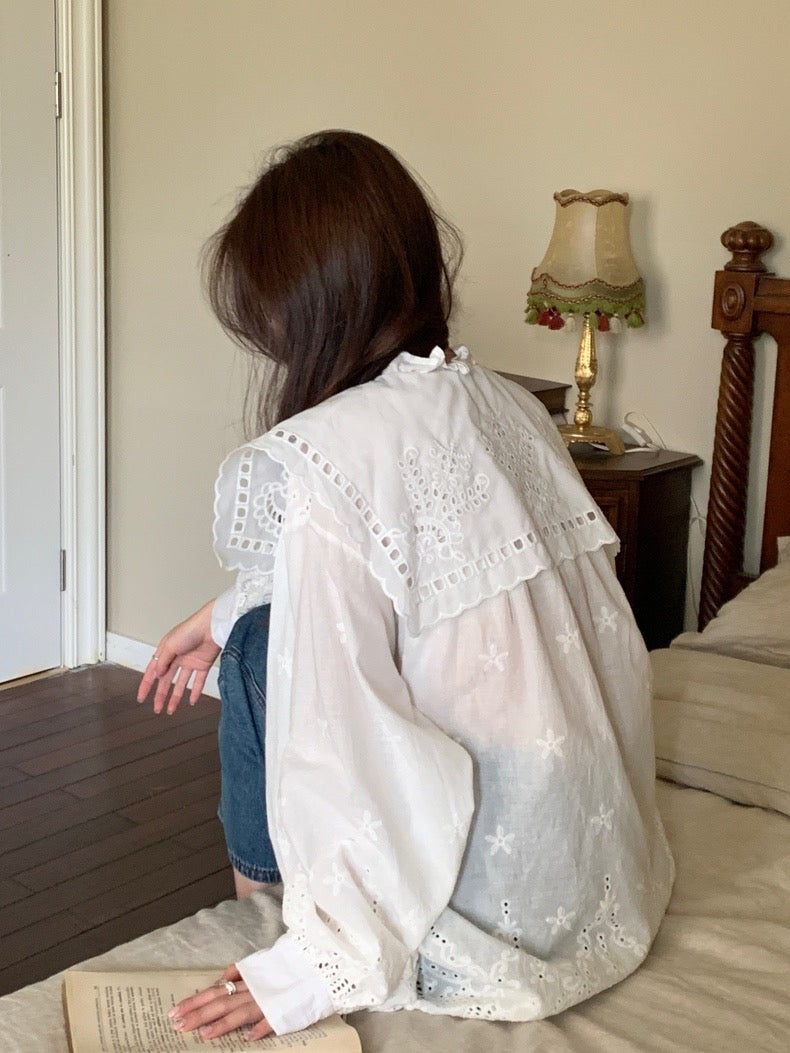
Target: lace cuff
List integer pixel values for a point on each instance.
(286, 987)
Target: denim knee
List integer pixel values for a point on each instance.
(242, 732)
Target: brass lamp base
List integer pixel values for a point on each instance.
(583, 429)
(592, 433)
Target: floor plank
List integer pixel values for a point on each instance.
(8, 776)
(77, 763)
(80, 891)
(112, 799)
(162, 804)
(29, 803)
(41, 736)
(108, 823)
(150, 764)
(61, 843)
(10, 892)
(207, 892)
(171, 818)
(178, 873)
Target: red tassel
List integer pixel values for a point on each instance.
(603, 322)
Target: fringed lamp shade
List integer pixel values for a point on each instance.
(588, 268)
(588, 272)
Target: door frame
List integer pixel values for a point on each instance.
(82, 329)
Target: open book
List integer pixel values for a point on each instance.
(126, 1012)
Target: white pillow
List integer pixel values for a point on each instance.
(756, 624)
(723, 724)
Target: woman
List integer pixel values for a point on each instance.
(458, 749)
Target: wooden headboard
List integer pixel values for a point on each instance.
(748, 300)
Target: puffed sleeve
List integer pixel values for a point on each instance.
(369, 802)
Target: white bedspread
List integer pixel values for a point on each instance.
(716, 978)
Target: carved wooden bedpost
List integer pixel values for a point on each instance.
(734, 316)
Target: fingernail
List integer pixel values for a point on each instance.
(178, 1024)
(172, 1013)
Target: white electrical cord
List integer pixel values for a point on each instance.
(640, 439)
(639, 435)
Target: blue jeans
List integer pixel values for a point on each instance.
(242, 733)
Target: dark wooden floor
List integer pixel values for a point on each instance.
(108, 823)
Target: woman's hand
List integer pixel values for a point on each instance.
(185, 653)
(214, 1012)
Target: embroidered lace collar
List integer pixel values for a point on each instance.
(407, 464)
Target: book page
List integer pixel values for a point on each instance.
(126, 1012)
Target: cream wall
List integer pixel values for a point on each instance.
(497, 105)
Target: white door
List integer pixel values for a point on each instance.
(30, 634)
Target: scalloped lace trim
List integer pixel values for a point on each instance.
(438, 498)
(424, 546)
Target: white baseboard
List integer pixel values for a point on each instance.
(136, 655)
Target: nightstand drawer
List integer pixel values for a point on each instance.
(617, 506)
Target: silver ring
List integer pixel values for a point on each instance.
(230, 987)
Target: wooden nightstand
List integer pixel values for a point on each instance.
(646, 496)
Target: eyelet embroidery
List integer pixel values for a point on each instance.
(344, 977)
(440, 490)
(501, 840)
(569, 639)
(268, 508)
(551, 745)
(605, 620)
(540, 987)
(507, 928)
(425, 559)
(603, 820)
(561, 920)
(381, 534)
(267, 511)
(512, 446)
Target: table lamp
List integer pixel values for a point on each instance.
(588, 271)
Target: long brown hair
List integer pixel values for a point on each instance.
(331, 265)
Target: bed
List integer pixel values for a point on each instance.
(717, 975)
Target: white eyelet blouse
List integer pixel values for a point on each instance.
(460, 773)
